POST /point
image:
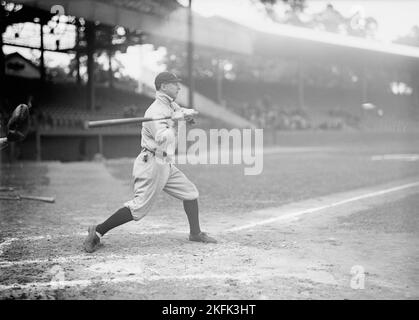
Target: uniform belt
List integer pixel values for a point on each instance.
(164, 153)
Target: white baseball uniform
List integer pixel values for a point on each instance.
(152, 170)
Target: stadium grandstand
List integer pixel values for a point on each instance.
(291, 78)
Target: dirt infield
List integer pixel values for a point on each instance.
(294, 232)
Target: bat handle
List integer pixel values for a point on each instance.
(45, 199)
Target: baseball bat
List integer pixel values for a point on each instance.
(20, 197)
(116, 122)
(44, 199)
(7, 189)
(9, 197)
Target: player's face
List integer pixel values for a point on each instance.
(171, 89)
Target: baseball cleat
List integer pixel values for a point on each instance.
(92, 240)
(202, 237)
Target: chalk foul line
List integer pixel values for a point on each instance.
(295, 214)
(242, 277)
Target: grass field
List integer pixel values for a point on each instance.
(323, 204)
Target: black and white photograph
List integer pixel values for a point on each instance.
(209, 150)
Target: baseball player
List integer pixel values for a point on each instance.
(153, 170)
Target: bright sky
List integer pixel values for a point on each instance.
(395, 18)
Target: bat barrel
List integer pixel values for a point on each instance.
(45, 199)
(116, 122)
(111, 122)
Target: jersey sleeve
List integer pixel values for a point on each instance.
(162, 130)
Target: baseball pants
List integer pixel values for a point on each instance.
(151, 176)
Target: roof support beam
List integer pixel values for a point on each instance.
(90, 33)
(2, 57)
(190, 57)
(174, 26)
(42, 48)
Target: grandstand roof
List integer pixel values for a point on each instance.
(287, 39)
(158, 8)
(167, 19)
(17, 65)
(161, 19)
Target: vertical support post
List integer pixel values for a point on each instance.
(78, 76)
(100, 143)
(141, 70)
(220, 76)
(301, 101)
(38, 145)
(415, 83)
(364, 84)
(42, 63)
(2, 57)
(190, 57)
(2, 75)
(12, 152)
(78, 52)
(90, 33)
(110, 71)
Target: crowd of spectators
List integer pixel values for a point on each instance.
(64, 106)
(51, 118)
(268, 115)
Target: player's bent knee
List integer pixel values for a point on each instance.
(194, 195)
(138, 210)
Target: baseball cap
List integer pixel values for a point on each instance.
(165, 77)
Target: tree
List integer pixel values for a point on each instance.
(296, 5)
(292, 14)
(330, 19)
(411, 39)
